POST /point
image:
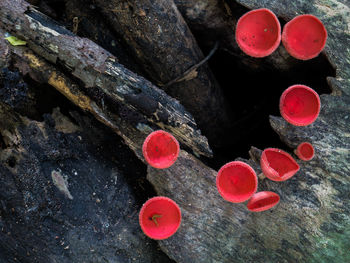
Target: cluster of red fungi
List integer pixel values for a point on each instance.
(258, 34)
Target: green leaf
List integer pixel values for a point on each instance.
(14, 41)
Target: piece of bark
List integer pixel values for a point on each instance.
(312, 221)
(41, 71)
(97, 68)
(133, 132)
(161, 41)
(59, 202)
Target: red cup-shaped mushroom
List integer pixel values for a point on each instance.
(304, 37)
(160, 217)
(263, 201)
(236, 182)
(258, 33)
(160, 149)
(305, 151)
(300, 105)
(278, 165)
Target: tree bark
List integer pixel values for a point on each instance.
(97, 68)
(160, 40)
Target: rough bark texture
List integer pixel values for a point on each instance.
(161, 41)
(38, 69)
(312, 221)
(66, 204)
(97, 68)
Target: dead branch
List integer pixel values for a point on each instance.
(161, 41)
(96, 67)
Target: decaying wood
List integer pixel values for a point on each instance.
(59, 202)
(97, 68)
(161, 41)
(41, 71)
(312, 221)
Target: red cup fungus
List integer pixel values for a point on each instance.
(263, 201)
(300, 105)
(236, 182)
(305, 151)
(258, 33)
(278, 165)
(160, 149)
(160, 217)
(304, 37)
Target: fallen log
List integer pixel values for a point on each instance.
(158, 37)
(96, 67)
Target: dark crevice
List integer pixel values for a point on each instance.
(53, 8)
(11, 161)
(2, 142)
(46, 99)
(30, 98)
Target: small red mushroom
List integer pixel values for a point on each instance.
(300, 105)
(160, 217)
(236, 182)
(305, 151)
(263, 201)
(278, 165)
(160, 149)
(304, 37)
(258, 33)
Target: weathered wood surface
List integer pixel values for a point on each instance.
(28, 63)
(312, 221)
(67, 204)
(97, 68)
(158, 37)
(41, 71)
